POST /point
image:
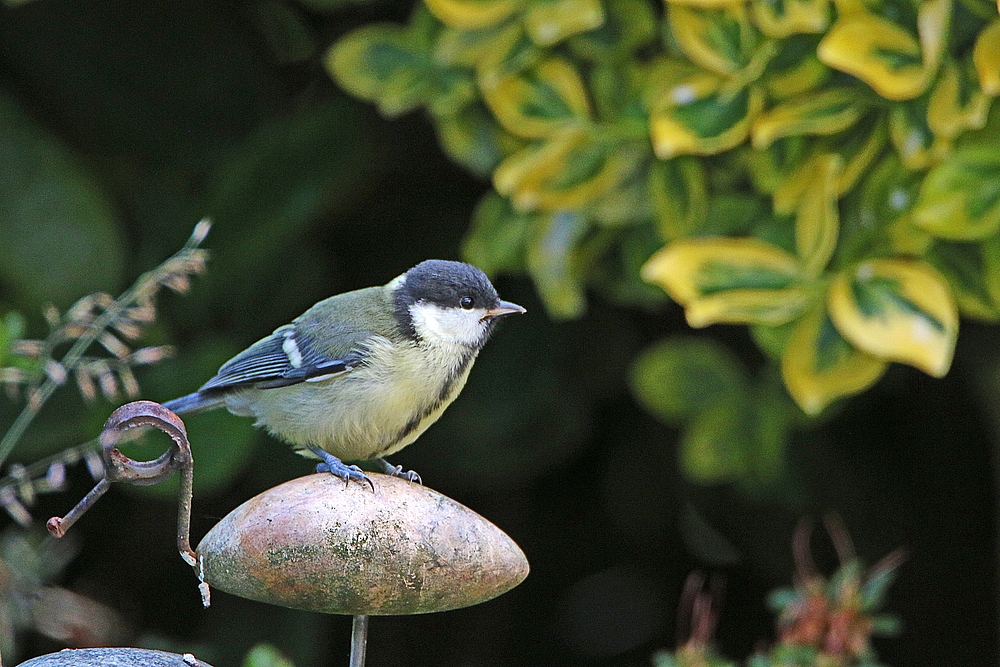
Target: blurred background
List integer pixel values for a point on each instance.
(124, 123)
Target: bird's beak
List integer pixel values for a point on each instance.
(503, 308)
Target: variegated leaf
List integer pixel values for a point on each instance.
(819, 365)
(729, 280)
(536, 102)
(897, 309)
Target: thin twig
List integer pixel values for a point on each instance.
(113, 312)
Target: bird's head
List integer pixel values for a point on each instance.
(449, 303)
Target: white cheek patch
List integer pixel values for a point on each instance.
(449, 326)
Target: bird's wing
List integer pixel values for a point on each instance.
(284, 358)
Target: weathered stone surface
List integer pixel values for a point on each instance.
(113, 657)
(319, 544)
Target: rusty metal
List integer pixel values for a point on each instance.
(120, 468)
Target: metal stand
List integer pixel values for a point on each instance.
(359, 641)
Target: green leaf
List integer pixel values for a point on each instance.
(266, 655)
(719, 40)
(58, 230)
(678, 189)
(467, 48)
(617, 97)
(960, 198)
(713, 447)
(782, 18)
(536, 102)
(888, 192)
(729, 280)
(473, 14)
(886, 56)
(795, 68)
(826, 112)
(286, 33)
(679, 377)
(986, 57)
(11, 328)
(549, 22)
(819, 366)
(817, 221)
(628, 203)
(956, 103)
(966, 266)
(695, 117)
(498, 236)
(383, 64)
(628, 25)
(474, 139)
(898, 310)
(568, 171)
(550, 263)
(279, 179)
(912, 136)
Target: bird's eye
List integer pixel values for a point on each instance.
(466, 302)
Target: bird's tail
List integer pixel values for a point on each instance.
(196, 402)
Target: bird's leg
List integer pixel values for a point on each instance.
(397, 471)
(338, 468)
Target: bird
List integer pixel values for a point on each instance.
(362, 374)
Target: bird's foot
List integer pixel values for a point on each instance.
(338, 468)
(397, 471)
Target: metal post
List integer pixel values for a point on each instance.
(359, 641)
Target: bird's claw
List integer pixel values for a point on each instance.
(409, 475)
(338, 468)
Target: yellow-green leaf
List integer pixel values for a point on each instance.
(381, 64)
(990, 249)
(538, 101)
(986, 56)
(715, 448)
(966, 267)
(475, 140)
(897, 309)
(497, 237)
(678, 377)
(888, 192)
(803, 74)
(628, 25)
(509, 52)
(960, 198)
(912, 136)
(956, 103)
(825, 112)
(781, 18)
(467, 48)
(696, 118)
(933, 24)
(550, 263)
(551, 21)
(473, 14)
(705, 4)
(819, 366)
(566, 171)
(679, 191)
(857, 147)
(715, 39)
(736, 280)
(817, 222)
(880, 53)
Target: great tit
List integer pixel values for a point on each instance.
(361, 375)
